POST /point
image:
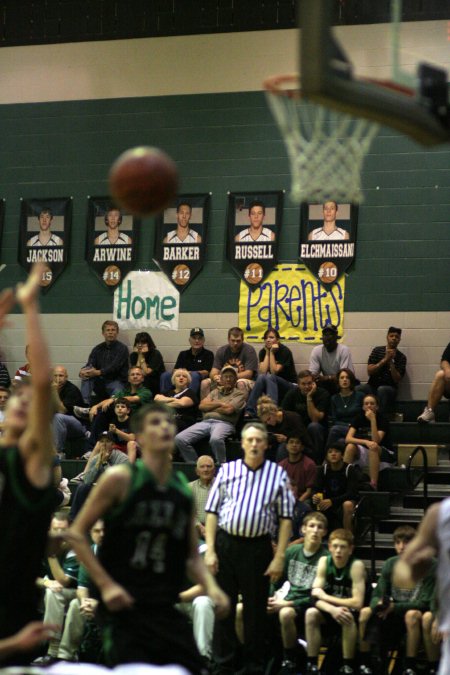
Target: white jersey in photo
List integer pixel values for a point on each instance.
(266, 235)
(122, 240)
(173, 238)
(53, 241)
(319, 235)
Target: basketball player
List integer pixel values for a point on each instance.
(432, 539)
(183, 234)
(256, 231)
(329, 230)
(27, 496)
(113, 236)
(45, 236)
(150, 543)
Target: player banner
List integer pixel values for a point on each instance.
(44, 235)
(146, 300)
(328, 239)
(254, 228)
(111, 240)
(294, 302)
(180, 238)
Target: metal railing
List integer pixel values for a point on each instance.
(422, 475)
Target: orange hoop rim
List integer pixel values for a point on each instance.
(277, 85)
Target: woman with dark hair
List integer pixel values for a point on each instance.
(276, 371)
(345, 405)
(146, 357)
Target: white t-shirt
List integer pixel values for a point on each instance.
(319, 235)
(191, 237)
(266, 235)
(122, 240)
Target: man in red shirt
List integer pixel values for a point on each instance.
(300, 469)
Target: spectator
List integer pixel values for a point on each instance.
(221, 410)
(102, 413)
(25, 370)
(326, 360)
(82, 608)
(301, 471)
(345, 405)
(240, 356)
(399, 610)
(338, 591)
(311, 403)
(386, 367)
(336, 488)
(300, 569)
(439, 388)
(106, 370)
(65, 424)
(102, 456)
(5, 380)
(60, 590)
(276, 371)
(201, 487)
(4, 396)
(200, 608)
(368, 440)
(182, 399)
(119, 428)
(146, 357)
(280, 425)
(197, 360)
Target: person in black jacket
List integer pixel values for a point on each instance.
(65, 424)
(149, 360)
(336, 489)
(107, 367)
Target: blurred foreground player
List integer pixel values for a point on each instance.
(150, 543)
(26, 457)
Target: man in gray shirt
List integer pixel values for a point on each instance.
(238, 354)
(327, 359)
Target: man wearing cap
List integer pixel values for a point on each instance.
(386, 367)
(327, 359)
(197, 360)
(221, 410)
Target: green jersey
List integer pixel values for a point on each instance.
(147, 537)
(420, 597)
(300, 570)
(338, 580)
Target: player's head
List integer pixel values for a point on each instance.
(330, 209)
(346, 379)
(254, 442)
(294, 446)
(122, 407)
(330, 337)
(267, 410)
(340, 545)
(271, 336)
(235, 338)
(256, 213)
(184, 212)
(314, 528)
(144, 340)
(154, 426)
(110, 330)
(335, 453)
(135, 376)
(394, 335)
(97, 532)
(370, 402)
(402, 535)
(205, 468)
(113, 218)
(45, 218)
(305, 381)
(181, 378)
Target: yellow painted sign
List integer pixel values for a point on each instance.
(294, 302)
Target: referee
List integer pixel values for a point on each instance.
(242, 511)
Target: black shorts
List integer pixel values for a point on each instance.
(157, 635)
(331, 627)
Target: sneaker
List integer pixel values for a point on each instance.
(312, 669)
(426, 416)
(44, 661)
(346, 670)
(409, 671)
(365, 670)
(81, 413)
(288, 667)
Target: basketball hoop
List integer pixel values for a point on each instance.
(326, 147)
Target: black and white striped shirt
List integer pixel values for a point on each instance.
(249, 502)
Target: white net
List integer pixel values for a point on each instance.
(326, 148)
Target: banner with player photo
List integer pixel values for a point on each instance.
(180, 238)
(253, 232)
(111, 240)
(44, 235)
(328, 239)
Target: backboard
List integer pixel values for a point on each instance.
(416, 104)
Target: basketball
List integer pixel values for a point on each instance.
(143, 180)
